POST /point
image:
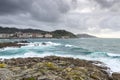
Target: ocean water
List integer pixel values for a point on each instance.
(98, 49)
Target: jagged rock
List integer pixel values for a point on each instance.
(53, 68)
(5, 74)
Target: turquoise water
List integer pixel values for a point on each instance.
(105, 50)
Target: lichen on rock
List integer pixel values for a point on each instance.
(52, 68)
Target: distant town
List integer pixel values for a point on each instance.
(25, 35)
(6, 32)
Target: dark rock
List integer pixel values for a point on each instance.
(10, 44)
(44, 43)
(116, 76)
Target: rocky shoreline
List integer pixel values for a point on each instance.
(53, 68)
(13, 44)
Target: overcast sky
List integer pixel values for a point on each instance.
(97, 17)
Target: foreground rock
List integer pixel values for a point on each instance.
(52, 68)
(116, 76)
(5, 74)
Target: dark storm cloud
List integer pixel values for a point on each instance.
(43, 10)
(14, 6)
(92, 16)
(49, 10)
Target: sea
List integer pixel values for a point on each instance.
(106, 50)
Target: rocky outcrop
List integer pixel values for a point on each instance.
(12, 44)
(52, 68)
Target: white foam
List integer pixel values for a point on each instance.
(113, 64)
(27, 54)
(40, 44)
(33, 54)
(68, 45)
(113, 55)
(52, 43)
(9, 48)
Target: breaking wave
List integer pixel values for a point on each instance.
(49, 48)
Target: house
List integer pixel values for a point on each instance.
(39, 35)
(1, 35)
(25, 35)
(48, 35)
(5, 35)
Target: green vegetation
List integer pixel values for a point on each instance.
(60, 33)
(50, 65)
(2, 65)
(14, 30)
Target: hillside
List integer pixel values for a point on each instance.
(13, 30)
(85, 36)
(59, 33)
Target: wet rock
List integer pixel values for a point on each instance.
(44, 43)
(116, 76)
(10, 44)
(23, 42)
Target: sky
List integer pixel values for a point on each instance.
(97, 17)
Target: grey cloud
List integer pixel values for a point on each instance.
(111, 5)
(111, 22)
(14, 6)
(49, 10)
(42, 10)
(62, 14)
(107, 3)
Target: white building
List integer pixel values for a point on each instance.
(39, 35)
(5, 35)
(48, 35)
(1, 35)
(25, 35)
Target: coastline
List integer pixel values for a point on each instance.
(62, 68)
(52, 68)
